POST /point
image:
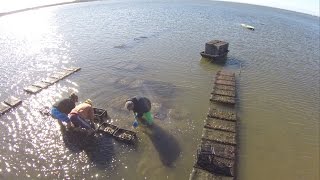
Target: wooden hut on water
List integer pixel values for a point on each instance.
(216, 50)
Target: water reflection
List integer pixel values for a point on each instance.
(100, 151)
(167, 146)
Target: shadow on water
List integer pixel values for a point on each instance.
(160, 89)
(99, 148)
(208, 65)
(166, 145)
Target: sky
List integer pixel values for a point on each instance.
(305, 6)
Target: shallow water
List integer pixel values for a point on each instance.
(152, 49)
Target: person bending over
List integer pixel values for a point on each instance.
(141, 107)
(82, 115)
(62, 108)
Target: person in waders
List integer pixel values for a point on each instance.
(141, 107)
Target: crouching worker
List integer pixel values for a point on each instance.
(62, 108)
(82, 116)
(141, 107)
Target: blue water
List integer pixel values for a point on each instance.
(277, 68)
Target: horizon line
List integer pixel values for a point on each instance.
(317, 14)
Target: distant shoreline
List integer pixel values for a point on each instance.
(43, 6)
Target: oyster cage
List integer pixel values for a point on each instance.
(225, 82)
(224, 87)
(227, 115)
(125, 135)
(219, 136)
(226, 73)
(222, 150)
(100, 114)
(107, 128)
(227, 78)
(120, 134)
(207, 160)
(213, 123)
(224, 92)
(217, 155)
(223, 99)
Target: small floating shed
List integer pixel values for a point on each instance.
(215, 50)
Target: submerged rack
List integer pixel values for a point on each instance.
(55, 77)
(8, 104)
(224, 90)
(216, 154)
(12, 102)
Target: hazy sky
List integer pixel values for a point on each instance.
(305, 6)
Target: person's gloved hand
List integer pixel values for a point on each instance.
(135, 124)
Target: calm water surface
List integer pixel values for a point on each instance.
(158, 44)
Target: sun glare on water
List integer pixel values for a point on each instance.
(12, 5)
(35, 32)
